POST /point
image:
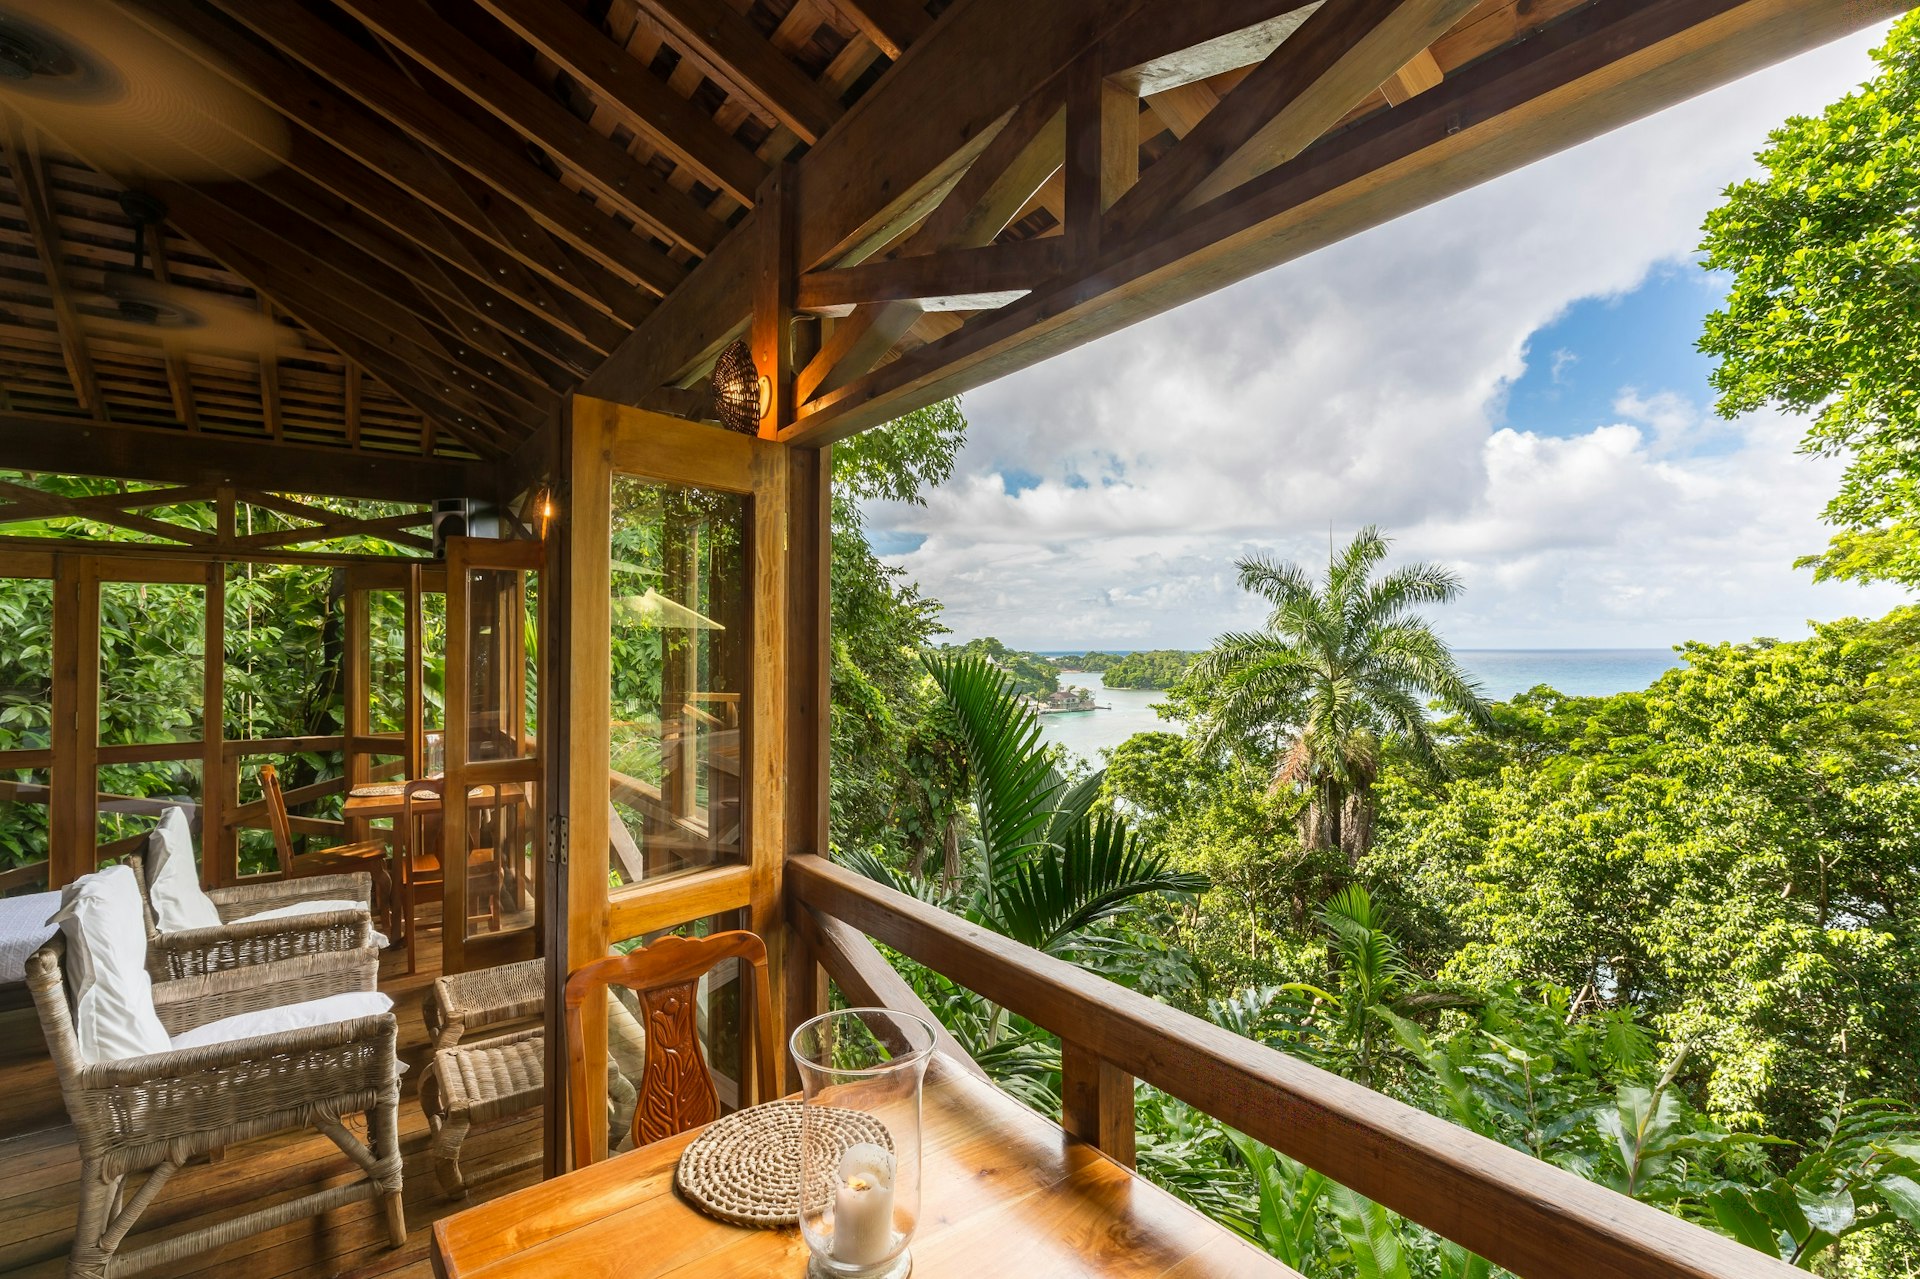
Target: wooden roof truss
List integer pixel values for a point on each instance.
(483, 205)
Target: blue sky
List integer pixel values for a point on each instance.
(1526, 407)
(1643, 339)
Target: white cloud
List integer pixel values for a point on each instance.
(1362, 385)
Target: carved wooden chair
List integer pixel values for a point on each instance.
(422, 859)
(675, 1091)
(369, 856)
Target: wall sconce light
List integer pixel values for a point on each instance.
(741, 396)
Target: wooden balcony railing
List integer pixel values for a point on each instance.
(1536, 1220)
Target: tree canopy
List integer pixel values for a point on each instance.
(1824, 251)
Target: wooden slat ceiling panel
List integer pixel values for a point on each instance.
(478, 201)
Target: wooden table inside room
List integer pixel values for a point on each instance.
(1004, 1192)
(389, 803)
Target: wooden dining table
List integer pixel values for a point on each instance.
(1003, 1192)
(387, 800)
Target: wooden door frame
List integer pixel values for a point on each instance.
(609, 438)
(466, 555)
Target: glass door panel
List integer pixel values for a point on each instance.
(679, 633)
(490, 844)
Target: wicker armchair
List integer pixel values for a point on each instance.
(198, 951)
(156, 1112)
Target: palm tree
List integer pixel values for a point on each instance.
(1343, 664)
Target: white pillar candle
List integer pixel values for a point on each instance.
(863, 1206)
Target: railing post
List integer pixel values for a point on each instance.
(1096, 1101)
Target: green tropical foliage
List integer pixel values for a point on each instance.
(1822, 248)
(1149, 668)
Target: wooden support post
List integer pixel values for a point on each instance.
(587, 689)
(216, 870)
(1096, 1101)
(84, 784)
(1103, 151)
(809, 584)
(775, 283)
(71, 802)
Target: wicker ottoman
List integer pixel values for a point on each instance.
(478, 1083)
(485, 997)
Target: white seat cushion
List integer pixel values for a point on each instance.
(320, 906)
(273, 1021)
(106, 931)
(173, 881)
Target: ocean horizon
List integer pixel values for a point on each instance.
(1502, 673)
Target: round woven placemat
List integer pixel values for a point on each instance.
(745, 1168)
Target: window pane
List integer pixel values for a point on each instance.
(26, 664)
(153, 641)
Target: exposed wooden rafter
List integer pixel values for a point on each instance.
(1338, 56)
(892, 25)
(1026, 150)
(642, 102)
(636, 191)
(43, 227)
(1579, 76)
(740, 57)
(179, 375)
(395, 121)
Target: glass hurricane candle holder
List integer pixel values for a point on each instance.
(861, 1072)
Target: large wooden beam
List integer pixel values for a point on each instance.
(902, 144)
(882, 167)
(721, 37)
(639, 99)
(613, 175)
(1598, 68)
(76, 446)
(1337, 57)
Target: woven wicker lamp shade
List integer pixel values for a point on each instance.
(738, 396)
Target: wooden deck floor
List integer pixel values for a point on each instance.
(39, 1169)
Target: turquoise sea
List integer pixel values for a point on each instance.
(1502, 673)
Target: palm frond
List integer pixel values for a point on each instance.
(1015, 788)
(1096, 873)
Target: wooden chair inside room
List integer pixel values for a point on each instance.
(675, 1091)
(423, 860)
(370, 855)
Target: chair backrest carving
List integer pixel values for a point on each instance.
(676, 1092)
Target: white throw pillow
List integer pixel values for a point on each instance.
(173, 883)
(272, 1021)
(322, 906)
(106, 932)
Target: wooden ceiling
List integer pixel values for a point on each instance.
(480, 205)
